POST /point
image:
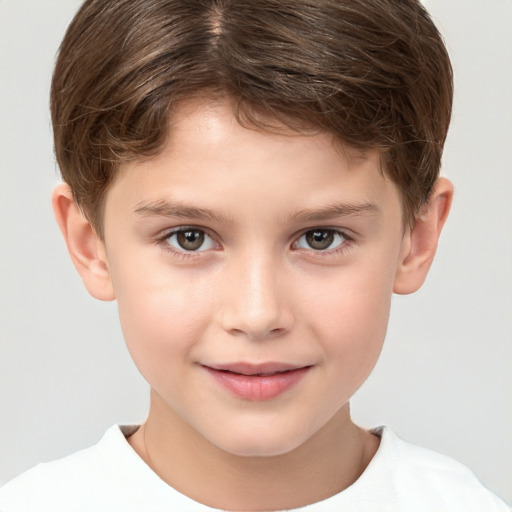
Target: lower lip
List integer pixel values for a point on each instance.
(258, 388)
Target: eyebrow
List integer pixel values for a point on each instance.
(336, 210)
(162, 208)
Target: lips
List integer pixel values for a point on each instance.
(258, 382)
(255, 369)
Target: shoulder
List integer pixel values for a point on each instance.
(420, 476)
(402, 477)
(79, 479)
(105, 477)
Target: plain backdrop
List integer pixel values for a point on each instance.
(444, 380)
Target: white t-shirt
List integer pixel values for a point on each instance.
(111, 477)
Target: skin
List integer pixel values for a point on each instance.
(256, 291)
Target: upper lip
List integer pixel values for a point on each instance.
(255, 369)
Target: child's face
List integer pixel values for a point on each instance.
(286, 261)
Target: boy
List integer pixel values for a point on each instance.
(251, 181)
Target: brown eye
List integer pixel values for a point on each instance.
(321, 239)
(190, 240)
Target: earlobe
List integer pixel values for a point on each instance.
(420, 243)
(85, 248)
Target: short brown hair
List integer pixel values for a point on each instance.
(375, 73)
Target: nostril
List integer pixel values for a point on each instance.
(256, 308)
(255, 335)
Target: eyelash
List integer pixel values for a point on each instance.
(345, 246)
(163, 241)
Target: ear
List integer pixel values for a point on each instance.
(87, 251)
(420, 243)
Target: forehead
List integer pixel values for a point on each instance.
(214, 115)
(214, 127)
(211, 160)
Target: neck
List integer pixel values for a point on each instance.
(328, 462)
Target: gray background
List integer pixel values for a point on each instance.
(445, 377)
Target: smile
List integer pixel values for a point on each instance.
(257, 382)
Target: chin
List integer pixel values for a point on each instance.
(270, 441)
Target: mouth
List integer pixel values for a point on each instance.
(259, 382)
(255, 369)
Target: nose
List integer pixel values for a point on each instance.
(256, 301)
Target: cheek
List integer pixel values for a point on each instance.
(351, 321)
(162, 315)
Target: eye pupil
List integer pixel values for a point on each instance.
(190, 240)
(320, 239)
